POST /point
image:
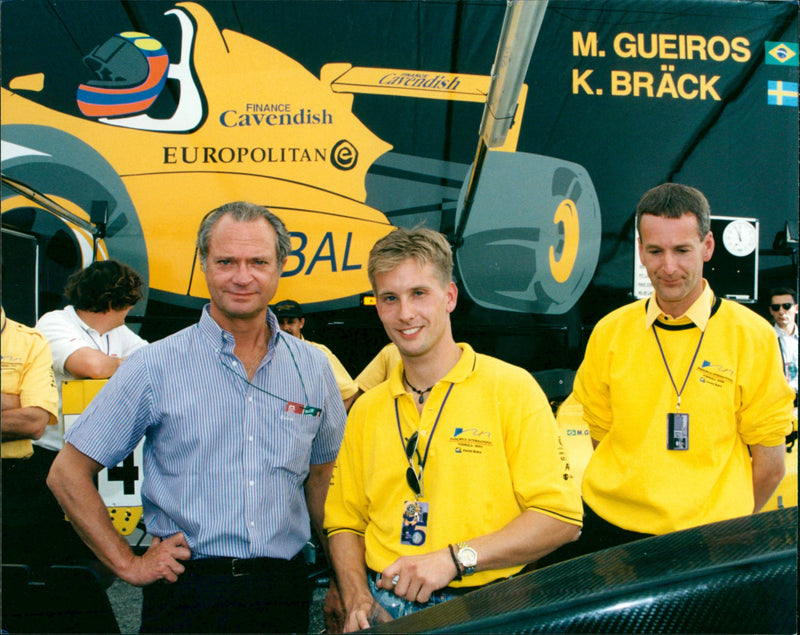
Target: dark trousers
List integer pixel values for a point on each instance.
(274, 599)
(35, 531)
(597, 534)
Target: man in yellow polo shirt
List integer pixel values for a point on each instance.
(451, 474)
(29, 405)
(683, 394)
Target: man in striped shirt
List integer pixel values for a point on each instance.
(242, 423)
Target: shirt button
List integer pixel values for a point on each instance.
(252, 524)
(250, 399)
(250, 438)
(423, 433)
(252, 483)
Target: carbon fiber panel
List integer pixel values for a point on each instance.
(736, 576)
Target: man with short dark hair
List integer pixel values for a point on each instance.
(291, 320)
(241, 423)
(682, 393)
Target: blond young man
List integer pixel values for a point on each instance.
(451, 474)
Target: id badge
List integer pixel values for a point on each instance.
(677, 431)
(415, 523)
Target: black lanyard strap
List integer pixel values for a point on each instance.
(424, 458)
(666, 365)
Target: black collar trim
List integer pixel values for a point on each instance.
(683, 327)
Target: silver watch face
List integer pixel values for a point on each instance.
(467, 557)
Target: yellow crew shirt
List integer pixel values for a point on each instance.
(379, 369)
(735, 396)
(27, 371)
(347, 387)
(494, 453)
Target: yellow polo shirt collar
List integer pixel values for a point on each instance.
(697, 314)
(464, 367)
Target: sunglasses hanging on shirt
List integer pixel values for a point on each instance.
(413, 478)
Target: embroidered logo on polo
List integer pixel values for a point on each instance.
(717, 375)
(12, 360)
(471, 440)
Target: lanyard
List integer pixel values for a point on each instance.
(88, 331)
(96, 345)
(691, 365)
(430, 438)
(311, 409)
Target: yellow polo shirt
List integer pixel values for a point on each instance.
(379, 368)
(494, 453)
(735, 396)
(27, 371)
(347, 387)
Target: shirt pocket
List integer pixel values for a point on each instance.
(289, 443)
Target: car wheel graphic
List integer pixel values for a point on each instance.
(532, 239)
(66, 170)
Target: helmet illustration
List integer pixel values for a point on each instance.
(131, 70)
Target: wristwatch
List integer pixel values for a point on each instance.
(467, 558)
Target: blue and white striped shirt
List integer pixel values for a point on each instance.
(224, 459)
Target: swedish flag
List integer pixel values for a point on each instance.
(782, 93)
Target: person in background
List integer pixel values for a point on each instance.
(682, 392)
(450, 435)
(29, 406)
(89, 340)
(88, 337)
(378, 370)
(291, 320)
(783, 307)
(242, 423)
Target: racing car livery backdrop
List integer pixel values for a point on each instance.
(124, 123)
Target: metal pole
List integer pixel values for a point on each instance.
(521, 25)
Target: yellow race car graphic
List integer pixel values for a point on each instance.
(251, 123)
(282, 139)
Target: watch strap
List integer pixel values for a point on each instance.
(455, 562)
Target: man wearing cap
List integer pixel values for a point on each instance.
(291, 320)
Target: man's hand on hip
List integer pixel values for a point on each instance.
(161, 561)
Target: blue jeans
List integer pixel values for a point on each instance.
(397, 606)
